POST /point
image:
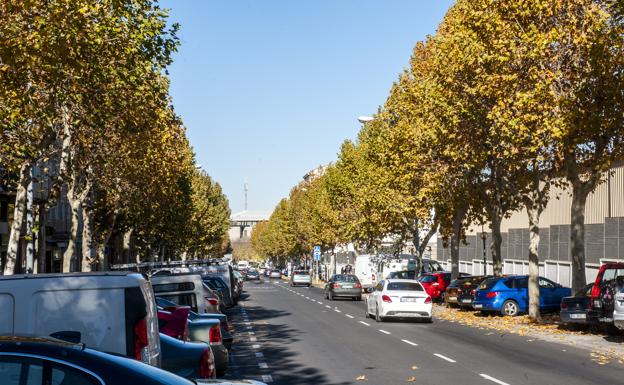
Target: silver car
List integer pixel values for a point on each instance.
(618, 310)
(300, 277)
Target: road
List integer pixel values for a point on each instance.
(295, 336)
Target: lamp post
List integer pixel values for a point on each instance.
(484, 237)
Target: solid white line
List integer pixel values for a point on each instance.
(410, 342)
(364, 323)
(444, 357)
(493, 379)
(267, 378)
(350, 316)
(384, 332)
(263, 365)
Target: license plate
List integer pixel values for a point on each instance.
(408, 299)
(347, 286)
(452, 298)
(577, 316)
(478, 306)
(466, 301)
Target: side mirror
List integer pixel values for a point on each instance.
(370, 289)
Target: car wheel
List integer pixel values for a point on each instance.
(429, 320)
(510, 308)
(377, 316)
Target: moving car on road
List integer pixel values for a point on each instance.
(300, 278)
(398, 298)
(275, 274)
(509, 295)
(343, 285)
(252, 275)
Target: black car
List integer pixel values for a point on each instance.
(51, 361)
(462, 294)
(574, 309)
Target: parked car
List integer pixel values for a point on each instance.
(435, 283)
(301, 278)
(239, 281)
(262, 271)
(226, 273)
(218, 285)
(190, 360)
(183, 289)
(398, 298)
(343, 285)
(173, 321)
(226, 331)
(604, 291)
(463, 294)
(574, 308)
(112, 312)
(275, 274)
(253, 275)
(60, 362)
(509, 295)
(426, 266)
(618, 308)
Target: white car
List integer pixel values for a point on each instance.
(618, 310)
(398, 298)
(275, 274)
(300, 277)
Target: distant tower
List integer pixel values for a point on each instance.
(246, 188)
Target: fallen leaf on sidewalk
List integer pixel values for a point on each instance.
(414, 367)
(360, 378)
(411, 379)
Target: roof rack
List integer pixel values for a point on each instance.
(166, 264)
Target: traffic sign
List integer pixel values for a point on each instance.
(317, 253)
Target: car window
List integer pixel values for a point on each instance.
(404, 286)
(10, 371)
(347, 278)
(69, 376)
(546, 284)
(428, 279)
(488, 284)
(11, 368)
(521, 283)
(183, 300)
(182, 286)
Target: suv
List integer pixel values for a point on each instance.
(609, 282)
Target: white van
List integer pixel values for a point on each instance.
(112, 312)
(183, 289)
(366, 270)
(241, 265)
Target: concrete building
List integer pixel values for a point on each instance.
(242, 224)
(604, 234)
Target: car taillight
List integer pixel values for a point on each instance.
(385, 298)
(207, 365)
(373, 277)
(213, 301)
(335, 285)
(473, 291)
(215, 335)
(564, 305)
(358, 286)
(140, 341)
(428, 300)
(491, 294)
(595, 291)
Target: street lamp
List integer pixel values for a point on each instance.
(484, 237)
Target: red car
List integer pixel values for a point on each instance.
(435, 283)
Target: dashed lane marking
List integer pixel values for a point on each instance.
(327, 306)
(364, 323)
(263, 365)
(350, 316)
(307, 297)
(255, 346)
(410, 342)
(444, 357)
(384, 331)
(259, 354)
(267, 378)
(337, 311)
(319, 302)
(499, 382)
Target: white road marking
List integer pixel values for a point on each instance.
(263, 365)
(259, 354)
(307, 297)
(267, 378)
(319, 302)
(410, 342)
(336, 310)
(327, 306)
(384, 331)
(255, 346)
(350, 316)
(251, 333)
(499, 382)
(444, 357)
(253, 339)
(364, 323)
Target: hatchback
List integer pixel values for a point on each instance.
(509, 295)
(435, 283)
(343, 285)
(398, 298)
(300, 277)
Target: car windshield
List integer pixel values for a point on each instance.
(404, 286)
(213, 282)
(403, 274)
(488, 284)
(301, 272)
(428, 279)
(346, 278)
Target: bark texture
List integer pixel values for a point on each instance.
(458, 219)
(577, 236)
(496, 217)
(70, 254)
(19, 215)
(534, 239)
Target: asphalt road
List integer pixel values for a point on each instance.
(295, 336)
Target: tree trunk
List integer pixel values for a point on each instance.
(41, 264)
(87, 238)
(71, 252)
(534, 239)
(458, 218)
(18, 218)
(577, 236)
(125, 253)
(102, 257)
(496, 217)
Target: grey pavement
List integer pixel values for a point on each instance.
(285, 336)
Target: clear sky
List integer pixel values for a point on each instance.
(269, 89)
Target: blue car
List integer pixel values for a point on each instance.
(509, 295)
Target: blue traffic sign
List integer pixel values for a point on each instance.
(317, 253)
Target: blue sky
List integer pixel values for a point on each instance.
(268, 89)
